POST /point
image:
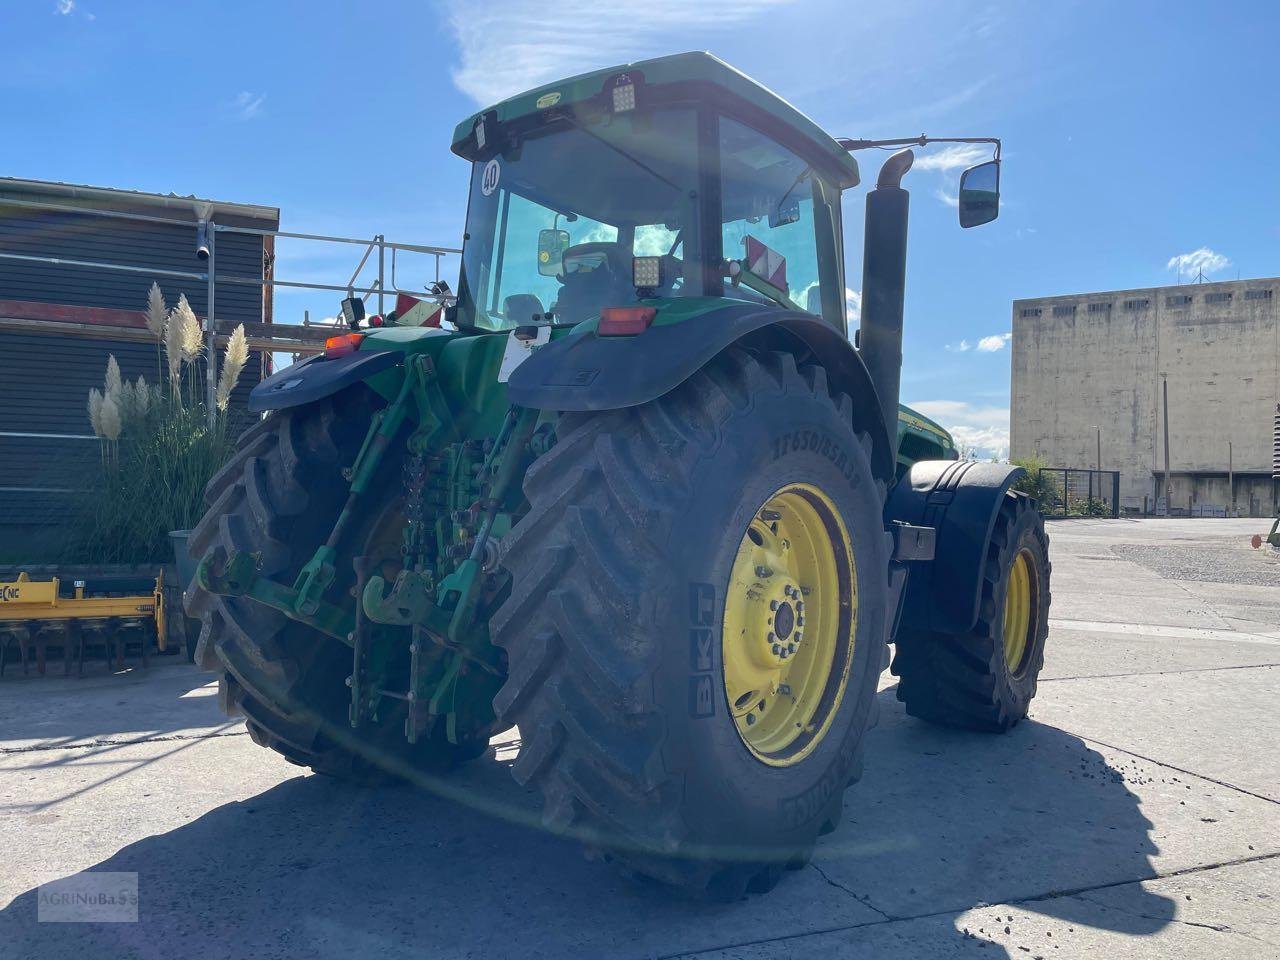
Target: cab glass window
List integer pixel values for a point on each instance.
(768, 225)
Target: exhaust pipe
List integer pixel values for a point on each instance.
(884, 277)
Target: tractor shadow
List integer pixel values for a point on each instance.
(312, 867)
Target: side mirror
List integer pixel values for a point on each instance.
(786, 212)
(551, 247)
(980, 194)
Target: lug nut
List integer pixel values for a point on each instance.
(751, 718)
(791, 648)
(800, 606)
(799, 621)
(784, 689)
(763, 571)
(770, 638)
(777, 649)
(773, 604)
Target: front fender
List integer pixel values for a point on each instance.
(960, 500)
(317, 376)
(584, 371)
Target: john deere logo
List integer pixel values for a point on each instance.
(8, 593)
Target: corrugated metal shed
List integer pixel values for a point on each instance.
(59, 322)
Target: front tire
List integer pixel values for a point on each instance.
(985, 679)
(629, 597)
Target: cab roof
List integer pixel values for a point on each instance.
(696, 67)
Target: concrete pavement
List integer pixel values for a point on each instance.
(1137, 814)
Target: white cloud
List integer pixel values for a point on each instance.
(958, 156)
(506, 46)
(248, 105)
(962, 347)
(994, 342)
(949, 161)
(64, 7)
(982, 430)
(1201, 259)
(853, 305)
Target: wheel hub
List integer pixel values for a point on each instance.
(1019, 600)
(788, 624)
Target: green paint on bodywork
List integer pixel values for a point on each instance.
(675, 69)
(466, 367)
(920, 438)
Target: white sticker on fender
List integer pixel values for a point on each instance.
(518, 351)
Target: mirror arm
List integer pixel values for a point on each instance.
(919, 141)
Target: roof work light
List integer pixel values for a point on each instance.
(646, 272)
(624, 93)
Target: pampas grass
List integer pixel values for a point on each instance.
(112, 381)
(95, 411)
(109, 417)
(157, 312)
(189, 325)
(158, 450)
(233, 361)
(173, 350)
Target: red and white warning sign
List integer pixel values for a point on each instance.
(412, 312)
(767, 264)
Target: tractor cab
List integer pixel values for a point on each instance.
(673, 178)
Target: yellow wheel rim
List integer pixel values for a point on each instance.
(1018, 600)
(790, 617)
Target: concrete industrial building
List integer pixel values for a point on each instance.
(1099, 360)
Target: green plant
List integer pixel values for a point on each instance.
(1037, 483)
(158, 447)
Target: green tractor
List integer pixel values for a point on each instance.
(639, 495)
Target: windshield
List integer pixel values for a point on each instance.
(553, 224)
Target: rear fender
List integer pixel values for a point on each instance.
(584, 371)
(960, 500)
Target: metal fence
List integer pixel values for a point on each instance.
(1072, 492)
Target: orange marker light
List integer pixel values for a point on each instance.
(336, 347)
(625, 321)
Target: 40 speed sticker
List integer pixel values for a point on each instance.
(489, 179)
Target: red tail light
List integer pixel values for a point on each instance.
(336, 347)
(625, 321)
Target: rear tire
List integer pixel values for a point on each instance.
(975, 680)
(277, 498)
(614, 625)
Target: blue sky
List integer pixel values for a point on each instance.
(1135, 133)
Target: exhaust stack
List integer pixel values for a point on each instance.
(884, 276)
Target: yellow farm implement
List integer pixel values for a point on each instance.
(38, 614)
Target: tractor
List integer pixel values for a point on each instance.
(634, 489)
